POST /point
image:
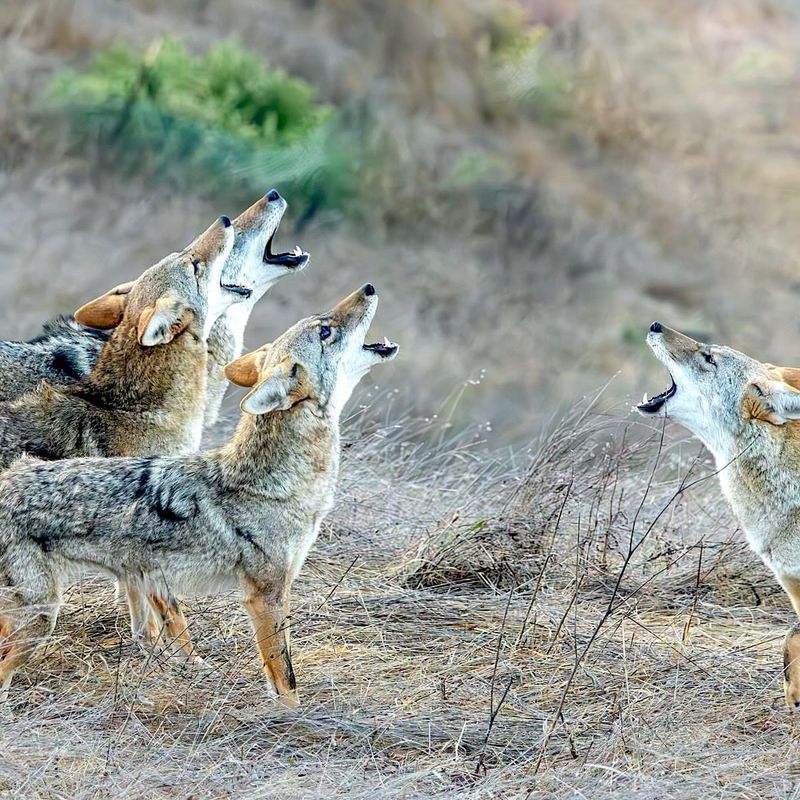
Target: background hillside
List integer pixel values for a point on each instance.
(502, 604)
(530, 183)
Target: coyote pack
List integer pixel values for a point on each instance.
(102, 417)
(241, 517)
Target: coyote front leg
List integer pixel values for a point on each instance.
(791, 646)
(269, 616)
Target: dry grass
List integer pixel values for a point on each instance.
(527, 661)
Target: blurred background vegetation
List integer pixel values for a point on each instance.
(528, 182)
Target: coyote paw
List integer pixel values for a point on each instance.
(290, 699)
(199, 663)
(792, 694)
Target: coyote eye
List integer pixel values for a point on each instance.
(710, 359)
(196, 263)
(324, 332)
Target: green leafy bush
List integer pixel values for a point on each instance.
(532, 78)
(218, 122)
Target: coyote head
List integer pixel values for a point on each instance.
(717, 392)
(252, 262)
(319, 359)
(181, 292)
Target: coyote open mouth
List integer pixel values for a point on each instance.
(291, 259)
(386, 349)
(656, 402)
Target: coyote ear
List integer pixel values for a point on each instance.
(214, 242)
(773, 401)
(244, 371)
(107, 310)
(161, 323)
(274, 392)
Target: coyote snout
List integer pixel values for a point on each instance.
(252, 260)
(320, 358)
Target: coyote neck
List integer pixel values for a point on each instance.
(224, 345)
(129, 377)
(284, 451)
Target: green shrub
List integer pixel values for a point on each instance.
(218, 122)
(534, 80)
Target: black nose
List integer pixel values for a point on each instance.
(273, 195)
(656, 327)
(369, 289)
(226, 221)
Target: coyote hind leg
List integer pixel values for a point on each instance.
(168, 623)
(141, 630)
(157, 621)
(22, 631)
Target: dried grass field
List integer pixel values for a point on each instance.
(576, 619)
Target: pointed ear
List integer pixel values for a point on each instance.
(215, 241)
(107, 310)
(790, 375)
(773, 401)
(244, 371)
(274, 392)
(161, 323)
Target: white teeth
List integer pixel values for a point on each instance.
(297, 251)
(644, 398)
(387, 342)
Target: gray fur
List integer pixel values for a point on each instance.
(64, 353)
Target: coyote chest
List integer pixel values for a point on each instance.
(765, 498)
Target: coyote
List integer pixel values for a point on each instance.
(251, 263)
(243, 516)
(746, 414)
(146, 393)
(66, 351)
